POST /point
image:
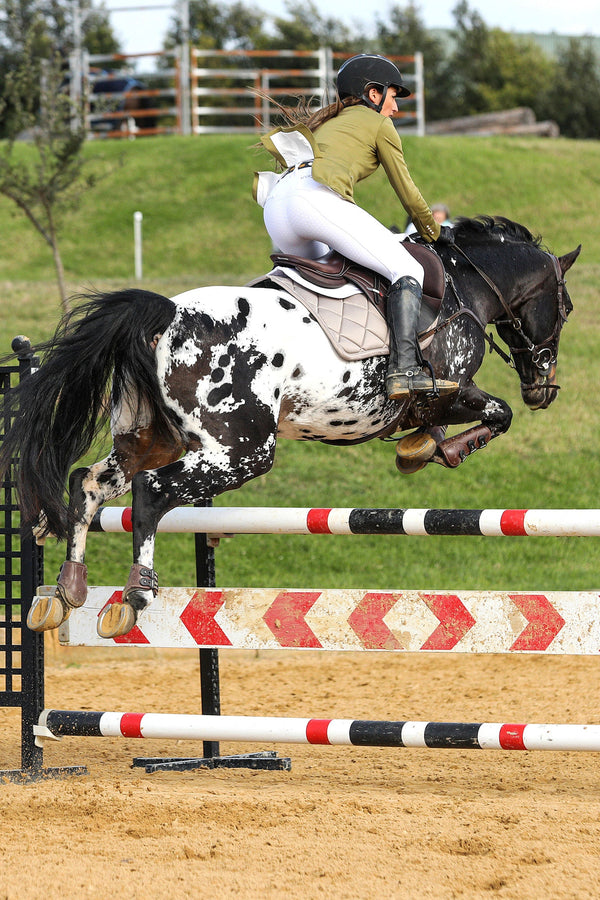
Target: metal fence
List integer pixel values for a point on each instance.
(21, 571)
(215, 91)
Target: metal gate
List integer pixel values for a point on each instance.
(21, 571)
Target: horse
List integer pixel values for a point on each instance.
(203, 384)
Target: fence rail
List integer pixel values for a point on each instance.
(195, 91)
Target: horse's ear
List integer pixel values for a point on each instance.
(568, 259)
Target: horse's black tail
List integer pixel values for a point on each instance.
(59, 409)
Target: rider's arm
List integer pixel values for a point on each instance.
(391, 156)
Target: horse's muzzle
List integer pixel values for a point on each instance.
(542, 392)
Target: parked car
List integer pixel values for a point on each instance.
(107, 84)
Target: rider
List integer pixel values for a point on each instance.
(310, 208)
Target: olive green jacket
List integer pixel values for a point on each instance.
(348, 148)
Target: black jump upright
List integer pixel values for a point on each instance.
(22, 651)
(211, 698)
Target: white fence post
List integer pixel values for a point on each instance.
(420, 94)
(137, 243)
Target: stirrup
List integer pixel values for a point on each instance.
(401, 385)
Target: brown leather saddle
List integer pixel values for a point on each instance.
(334, 270)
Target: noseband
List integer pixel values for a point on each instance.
(543, 354)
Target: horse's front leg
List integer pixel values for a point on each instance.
(429, 442)
(471, 405)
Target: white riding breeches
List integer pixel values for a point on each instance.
(306, 218)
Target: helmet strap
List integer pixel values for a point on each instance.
(376, 106)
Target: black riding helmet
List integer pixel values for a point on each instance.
(369, 69)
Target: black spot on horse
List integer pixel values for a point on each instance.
(217, 375)
(190, 323)
(346, 376)
(308, 319)
(276, 393)
(345, 392)
(224, 360)
(244, 310)
(297, 373)
(277, 360)
(215, 396)
(286, 304)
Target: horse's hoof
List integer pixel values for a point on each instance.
(417, 447)
(116, 620)
(47, 613)
(407, 467)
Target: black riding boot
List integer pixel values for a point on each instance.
(405, 374)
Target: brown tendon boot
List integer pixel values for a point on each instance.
(405, 373)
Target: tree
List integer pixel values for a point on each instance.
(572, 98)
(489, 69)
(218, 26)
(47, 28)
(44, 178)
(520, 72)
(239, 26)
(307, 29)
(403, 33)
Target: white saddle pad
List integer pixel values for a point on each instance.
(353, 325)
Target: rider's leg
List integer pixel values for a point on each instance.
(405, 373)
(306, 218)
(300, 212)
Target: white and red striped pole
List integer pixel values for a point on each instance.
(293, 520)
(56, 723)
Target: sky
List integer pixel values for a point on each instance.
(143, 30)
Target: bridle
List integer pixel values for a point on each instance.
(543, 354)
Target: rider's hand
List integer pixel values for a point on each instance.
(446, 235)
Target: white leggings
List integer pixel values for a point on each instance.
(306, 218)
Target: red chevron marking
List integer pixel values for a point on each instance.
(543, 622)
(455, 621)
(199, 619)
(285, 618)
(367, 622)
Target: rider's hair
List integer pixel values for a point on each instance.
(305, 114)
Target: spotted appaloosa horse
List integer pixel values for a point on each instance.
(203, 385)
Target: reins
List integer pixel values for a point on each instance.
(465, 311)
(543, 355)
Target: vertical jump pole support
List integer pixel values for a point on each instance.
(210, 685)
(210, 689)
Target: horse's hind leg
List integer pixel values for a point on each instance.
(89, 488)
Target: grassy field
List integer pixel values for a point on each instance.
(201, 227)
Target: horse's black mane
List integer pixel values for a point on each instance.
(493, 226)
